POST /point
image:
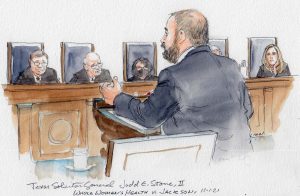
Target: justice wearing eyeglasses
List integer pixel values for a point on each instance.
(37, 72)
(92, 71)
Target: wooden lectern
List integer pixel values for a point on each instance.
(53, 118)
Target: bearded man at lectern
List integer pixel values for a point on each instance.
(200, 92)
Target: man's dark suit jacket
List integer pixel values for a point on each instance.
(81, 77)
(202, 92)
(26, 77)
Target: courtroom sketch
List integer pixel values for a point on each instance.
(181, 102)
(180, 107)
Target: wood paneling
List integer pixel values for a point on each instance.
(49, 119)
(24, 127)
(268, 96)
(257, 119)
(94, 133)
(54, 118)
(50, 92)
(139, 89)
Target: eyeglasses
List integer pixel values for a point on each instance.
(37, 63)
(97, 65)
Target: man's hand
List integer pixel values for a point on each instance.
(110, 90)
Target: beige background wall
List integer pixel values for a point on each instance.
(109, 23)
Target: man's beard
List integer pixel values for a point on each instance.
(172, 53)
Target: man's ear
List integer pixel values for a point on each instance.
(181, 36)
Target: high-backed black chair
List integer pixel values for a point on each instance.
(18, 58)
(221, 44)
(135, 50)
(72, 55)
(256, 47)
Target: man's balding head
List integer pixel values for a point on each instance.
(92, 56)
(184, 29)
(194, 24)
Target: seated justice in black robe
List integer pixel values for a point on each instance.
(142, 70)
(92, 71)
(273, 64)
(37, 72)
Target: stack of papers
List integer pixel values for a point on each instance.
(109, 113)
